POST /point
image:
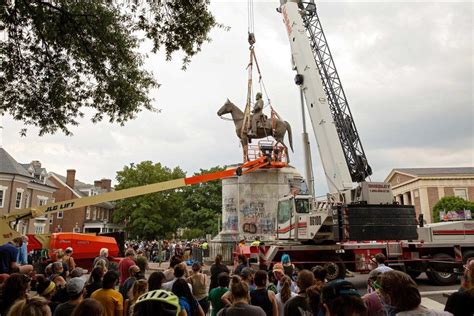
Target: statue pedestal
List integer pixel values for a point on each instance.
(249, 207)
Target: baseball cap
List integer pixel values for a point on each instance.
(337, 288)
(278, 267)
(75, 286)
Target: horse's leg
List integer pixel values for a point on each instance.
(279, 140)
(245, 148)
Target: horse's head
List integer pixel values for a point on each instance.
(226, 108)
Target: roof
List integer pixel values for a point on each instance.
(424, 172)
(80, 187)
(37, 171)
(417, 173)
(10, 165)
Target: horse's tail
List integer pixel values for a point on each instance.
(290, 135)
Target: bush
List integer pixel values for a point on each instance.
(451, 203)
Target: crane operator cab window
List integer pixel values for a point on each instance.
(285, 208)
(302, 205)
(284, 211)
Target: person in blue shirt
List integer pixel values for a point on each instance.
(22, 257)
(189, 305)
(8, 258)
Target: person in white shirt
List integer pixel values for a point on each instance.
(284, 294)
(179, 273)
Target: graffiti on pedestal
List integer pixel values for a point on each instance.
(230, 208)
(229, 205)
(255, 220)
(231, 223)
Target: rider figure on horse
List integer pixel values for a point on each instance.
(257, 116)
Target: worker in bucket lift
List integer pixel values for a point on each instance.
(257, 115)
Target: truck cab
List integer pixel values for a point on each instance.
(301, 218)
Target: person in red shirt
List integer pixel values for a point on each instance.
(125, 264)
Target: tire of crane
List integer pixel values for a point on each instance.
(442, 278)
(336, 269)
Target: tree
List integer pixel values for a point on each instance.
(451, 203)
(62, 56)
(202, 206)
(155, 215)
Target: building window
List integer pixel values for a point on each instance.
(60, 215)
(42, 201)
(2, 196)
(88, 212)
(50, 221)
(94, 214)
(462, 193)
(39, 229)
(19, 194)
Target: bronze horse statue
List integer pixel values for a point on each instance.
(278, 132)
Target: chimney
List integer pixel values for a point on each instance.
(106, 184)
(70, 178)
(98, 183)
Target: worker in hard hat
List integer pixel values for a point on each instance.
(257, 114)
(256, 242)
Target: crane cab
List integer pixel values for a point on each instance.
(301, 218)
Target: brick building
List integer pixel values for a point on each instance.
(423, 187)
(91, 219)
(22, 186)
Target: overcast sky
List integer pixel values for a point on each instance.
(407, 70)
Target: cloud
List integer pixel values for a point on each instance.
(406, 68)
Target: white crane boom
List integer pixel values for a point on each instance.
(330, 150)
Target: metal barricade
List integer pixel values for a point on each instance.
(197, 255)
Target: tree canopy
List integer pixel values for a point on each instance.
(152, 215)
(202, 207)
(451, 203)
(195, 208)
(62, 56)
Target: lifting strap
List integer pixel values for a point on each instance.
(253, 59)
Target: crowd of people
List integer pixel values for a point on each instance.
(122, 289)
(163, 250)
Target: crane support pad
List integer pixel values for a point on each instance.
(375, 222)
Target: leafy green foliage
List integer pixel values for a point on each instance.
(158, 215)
(155, 215)
(451, 203)
(62, 56)
(203, 204)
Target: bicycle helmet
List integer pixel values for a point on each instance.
(157, 302)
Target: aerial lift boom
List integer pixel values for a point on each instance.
(269, 158)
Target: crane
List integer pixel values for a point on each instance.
(340, 148)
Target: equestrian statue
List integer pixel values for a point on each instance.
(261, 127)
